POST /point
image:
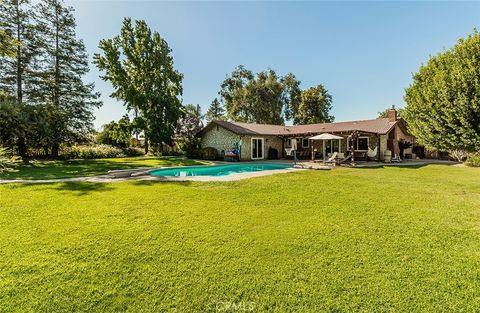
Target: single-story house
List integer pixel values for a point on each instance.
(255, 140)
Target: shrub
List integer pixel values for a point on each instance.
(191, 147)
(134, 151)
(92, 152)
(7, 163)
(209, 153)
(473, 160)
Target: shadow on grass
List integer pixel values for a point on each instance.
(160, 182)
(409, 166)
(76, 188)
(83, 188)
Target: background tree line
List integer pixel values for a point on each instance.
(44, 101)
(268, 98)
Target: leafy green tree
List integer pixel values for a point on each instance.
(261, 98)
(64, 62)
(116, 133)
(292, 95)
(443, 107)
(23, 126)
(139, 65)
(215, 111)
(234, 95)
(315, 106)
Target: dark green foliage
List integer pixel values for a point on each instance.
(64, 63)
(18, 69)
(314, 107)
(188, 126)
(24, 126)
(209, 153)
(216, 111)
(443, 107)
(117, 134)
(267, 98)
(133, 151)
(139, 65)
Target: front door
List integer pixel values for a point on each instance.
(257, 148)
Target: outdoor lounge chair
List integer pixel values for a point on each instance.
(332, 159)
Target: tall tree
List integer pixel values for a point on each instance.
(443, 108)
(215, 111)
(139, 65)
(261, 98)
(64, 63)
(315, 106)
(16, 72)
(292, 95)
(235, 97)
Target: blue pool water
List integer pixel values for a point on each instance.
(218, 170)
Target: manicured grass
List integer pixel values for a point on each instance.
(78, 168)
(388, 239)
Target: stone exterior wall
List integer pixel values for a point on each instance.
(220, 139)
(223, 139)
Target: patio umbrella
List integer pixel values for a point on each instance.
(324, 136)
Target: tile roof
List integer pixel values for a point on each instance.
(378, 126)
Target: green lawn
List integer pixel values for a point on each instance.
(385, 239)
(78, 168)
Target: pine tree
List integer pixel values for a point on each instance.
(17, 68)
(64, 63)
(215, 111)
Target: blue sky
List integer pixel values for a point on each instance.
(363, 52)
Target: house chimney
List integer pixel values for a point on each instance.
(392, 114)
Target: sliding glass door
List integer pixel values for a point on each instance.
(257, 148)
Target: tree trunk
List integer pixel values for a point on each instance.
(146, 145)
(55, 150)
(22, 149)
(45, 150)
(19, 56)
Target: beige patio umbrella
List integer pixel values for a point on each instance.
(323, 137)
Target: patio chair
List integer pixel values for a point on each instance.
(332, 159)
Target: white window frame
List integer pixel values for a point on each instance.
(361, 137)
(263, 148)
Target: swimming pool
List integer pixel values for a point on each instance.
(218, 170)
